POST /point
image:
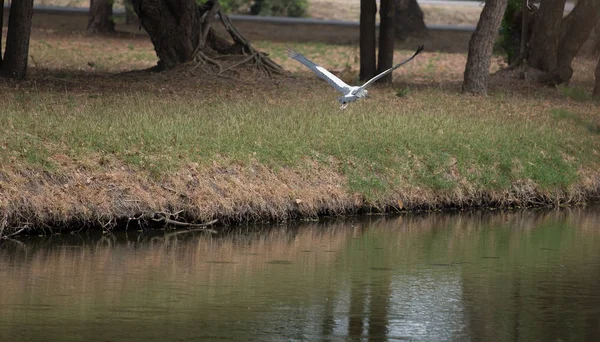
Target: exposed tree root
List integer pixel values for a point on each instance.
(164, 220)
(211, 46)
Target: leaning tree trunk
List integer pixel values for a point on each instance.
(481, 46)
(596, 94)
(385, 60)
(409, 19)
(14, 64)
(368, 34)
(577, 27)
(546, 35)
(1, 26)
(101, 16)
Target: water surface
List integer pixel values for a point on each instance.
(480, 276)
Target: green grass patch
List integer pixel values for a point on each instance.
(564, 114)
(432, 139)
(574, 93)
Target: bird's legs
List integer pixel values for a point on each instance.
(344, 106)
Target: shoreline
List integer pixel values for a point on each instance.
(121, 199)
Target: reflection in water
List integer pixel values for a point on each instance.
(522, 276)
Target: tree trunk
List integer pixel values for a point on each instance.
(1, 26)
(480, 47)
(368, 10)
(576, 28)
(596, 48)
(174, 27)
(409, 19)
(14, 64)
(385, 59)
(546, 35)
(130, 17)
(101, 16)
(525, 30)
(520, 26)
(596, 94)
(181, 31)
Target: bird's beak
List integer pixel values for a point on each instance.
(343, 106)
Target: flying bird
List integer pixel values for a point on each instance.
(350, 93)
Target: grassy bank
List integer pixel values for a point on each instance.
(92, 148)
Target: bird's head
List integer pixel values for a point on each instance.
(344, 101)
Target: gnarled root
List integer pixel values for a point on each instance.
(212, 47)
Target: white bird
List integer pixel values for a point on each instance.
(350, 93)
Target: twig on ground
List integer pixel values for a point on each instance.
(181, 194)
(237, 64)
(168, 221)
(14, 233)
(61, 79)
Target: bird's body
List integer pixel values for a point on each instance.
(354, 94)
(350, 93)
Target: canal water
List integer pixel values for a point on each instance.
(484, 276)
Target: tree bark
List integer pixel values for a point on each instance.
(181, 31)
(596, 93)
(368, 10)
(385, 59)
(101, 16)
(408, 19)
(174, 26)
(521, 27)
(481, 46)
(576, 29)
(524, 33)
(130, 17)
(546, 35)
(1, 26)
(14, 64)
(596, 48)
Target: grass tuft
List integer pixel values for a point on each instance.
(402, 92)
(574, 93)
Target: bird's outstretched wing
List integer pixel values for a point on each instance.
(338, 84)
(369, 82)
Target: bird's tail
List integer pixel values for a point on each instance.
(419, 49)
